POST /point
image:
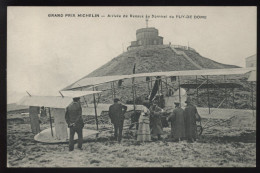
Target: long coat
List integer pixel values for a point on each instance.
(156, 124)
(177, 123)
(190, 121)
(116, 113)
(33, 113)
(74, 115)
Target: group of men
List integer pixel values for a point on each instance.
(183, 122)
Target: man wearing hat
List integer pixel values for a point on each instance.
(177, 123)
(116, 114)
(190, 120)
(75, 122)
(155, 120)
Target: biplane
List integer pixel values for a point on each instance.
(87, 86)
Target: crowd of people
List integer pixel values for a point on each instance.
(183, 122)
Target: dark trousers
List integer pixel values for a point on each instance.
(74, 130)
(118, 131)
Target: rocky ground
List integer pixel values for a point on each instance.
(229, 144)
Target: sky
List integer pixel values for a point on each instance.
(45, 54)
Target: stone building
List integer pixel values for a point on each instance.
(146, 36)
(251, 61)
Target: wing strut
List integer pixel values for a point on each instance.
(95, 106)
(50, 121)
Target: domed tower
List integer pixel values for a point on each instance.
(148, 36)
(145, 37)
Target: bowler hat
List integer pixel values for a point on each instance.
(116, 99)
(76, 98)
(188, 100)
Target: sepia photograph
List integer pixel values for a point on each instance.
(131, 86)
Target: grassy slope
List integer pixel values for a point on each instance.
(205, 62)
(152, 59)
(162, 58)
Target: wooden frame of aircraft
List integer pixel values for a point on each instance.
(95, 81)
(68, 93)
(205, 73)
(58, 104)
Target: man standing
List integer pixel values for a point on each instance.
(116, 114)
(190, 120)
(34, 118)
(177, 123)
(156, 123)
(75, 122)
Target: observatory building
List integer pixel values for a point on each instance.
(146, 36)
(251, 61)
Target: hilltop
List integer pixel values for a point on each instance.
(156, 58)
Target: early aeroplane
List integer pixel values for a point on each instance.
(76, 89)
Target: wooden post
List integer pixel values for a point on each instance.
(166, 86)
(148, 86)
(133, 90)
(151, 84)
(252, 95)
(85, 101)
(225, 91)
(50, 121)
(179, 90)
(28, 93)
(112, 90)
(233, 97)
(161, 86)
(159, 80)
(197, 90)
(95, 106)
(208, 92)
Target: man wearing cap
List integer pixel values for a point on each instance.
(190, 120)
(177, 123)
(75, 122)
(116, 114)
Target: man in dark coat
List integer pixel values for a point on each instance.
(155, 120)
(190, 120)
(177, 123)
(75, 122)
(116, 114)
